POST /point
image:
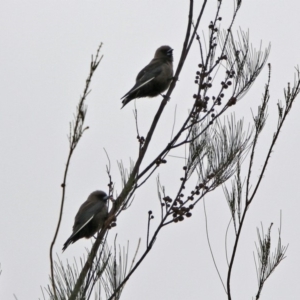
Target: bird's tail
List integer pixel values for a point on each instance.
(125, 101)
(67, 243)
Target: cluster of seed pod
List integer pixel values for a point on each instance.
(150, 215)
(167, 200)
(141, 139)
(180, 212)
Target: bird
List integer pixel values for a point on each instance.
(89, 218)
(155, 78)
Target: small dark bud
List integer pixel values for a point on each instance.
(194, 96)
(200, 65)
(213, 115)
(209, 85)
(229, 82)
(191, 206)
(196, 81)
(152, 217)
(184, 168)
(188, 214)
(232, 101)
(180, 218)
(62, 185)
(150, 212)
(222, 95)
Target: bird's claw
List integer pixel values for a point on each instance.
(167, 98)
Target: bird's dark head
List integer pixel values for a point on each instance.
(100, 195)
(164, 52)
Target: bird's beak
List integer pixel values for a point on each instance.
(170, 51)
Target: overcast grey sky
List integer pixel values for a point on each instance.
(45, 54)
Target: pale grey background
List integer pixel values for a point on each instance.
(45, 54)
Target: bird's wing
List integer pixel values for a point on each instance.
(146, 75)
(140, 85)
(82, 226)
(86, 212)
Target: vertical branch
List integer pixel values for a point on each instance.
(76, 132)
(259, 120)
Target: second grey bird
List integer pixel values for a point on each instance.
(155, 78)
(89, 218)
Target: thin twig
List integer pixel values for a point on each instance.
(74, 139)
(209, 245)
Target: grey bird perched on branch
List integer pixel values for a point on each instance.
(89, 218)
(155, 78)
